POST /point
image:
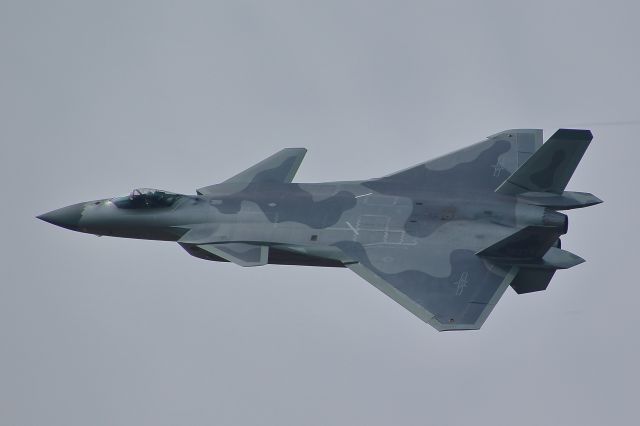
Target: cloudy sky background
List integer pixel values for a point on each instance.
(97, 98)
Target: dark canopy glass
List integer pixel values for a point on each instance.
(146, 198)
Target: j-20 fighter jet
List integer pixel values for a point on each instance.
(444, 238)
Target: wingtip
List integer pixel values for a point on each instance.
(511, 132)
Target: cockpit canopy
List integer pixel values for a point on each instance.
(146, 198)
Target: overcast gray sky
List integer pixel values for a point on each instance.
(99, 97)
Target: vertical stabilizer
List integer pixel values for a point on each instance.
(550, 167)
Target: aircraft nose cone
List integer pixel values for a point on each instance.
(66, 217)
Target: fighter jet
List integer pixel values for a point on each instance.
(444, 238)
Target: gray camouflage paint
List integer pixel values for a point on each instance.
(425, 236)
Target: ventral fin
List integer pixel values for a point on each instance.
(242, 254)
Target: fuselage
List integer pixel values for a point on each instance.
(304, 219)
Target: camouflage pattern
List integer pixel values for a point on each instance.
(444, 238)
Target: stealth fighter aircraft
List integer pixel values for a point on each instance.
(444, 238)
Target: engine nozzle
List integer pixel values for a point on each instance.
(556, 219)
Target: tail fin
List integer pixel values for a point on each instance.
(528, 280)
(550, 167)
(531, 242)
(535, 251)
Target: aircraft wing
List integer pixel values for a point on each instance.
(457, 297)
(281, 167)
